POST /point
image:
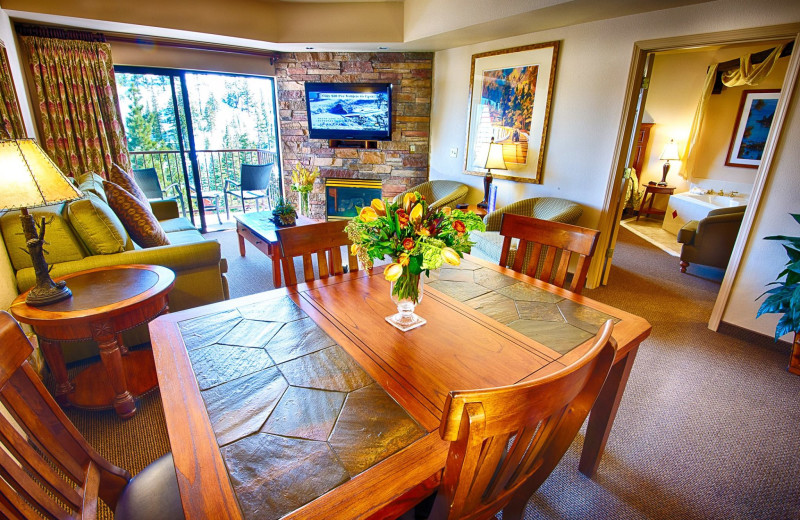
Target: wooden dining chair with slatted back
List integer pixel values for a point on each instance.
(550, 247)
(48, 470)
(324, 240)
(506, 441)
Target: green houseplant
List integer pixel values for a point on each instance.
(784, 297)
(284, 213)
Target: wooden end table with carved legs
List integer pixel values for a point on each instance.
(105, 302)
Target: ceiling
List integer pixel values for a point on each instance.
(347, 25)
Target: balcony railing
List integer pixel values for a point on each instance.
(215, 166)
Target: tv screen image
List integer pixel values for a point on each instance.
(349, 111)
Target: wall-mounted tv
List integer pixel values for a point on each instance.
(358, 111)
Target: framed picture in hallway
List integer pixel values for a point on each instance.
(753, 122)
(509, 102)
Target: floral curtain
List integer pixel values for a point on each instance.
(10, 115)
(79, 115)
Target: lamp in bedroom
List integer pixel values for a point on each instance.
(670, 153)
(31, 179)
(494, 160)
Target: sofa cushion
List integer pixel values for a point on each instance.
(136, 216)
(92, 183)
(176, 224)
(97, 226)
(62, 244)
(123, 179)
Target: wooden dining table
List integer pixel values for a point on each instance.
(303, 402)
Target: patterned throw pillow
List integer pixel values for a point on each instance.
(142, 225)
(124, 180)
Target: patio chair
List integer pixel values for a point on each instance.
(147, 180)
(210, 200)
(253, 185)
(48, 469)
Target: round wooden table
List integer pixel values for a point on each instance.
(105, 301)
(474, 208)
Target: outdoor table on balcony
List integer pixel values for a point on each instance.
(303, 402)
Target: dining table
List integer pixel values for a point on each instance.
(303, 402)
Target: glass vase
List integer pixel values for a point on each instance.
(406, 293)
(304, 203)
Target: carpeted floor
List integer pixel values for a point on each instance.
(707, 429)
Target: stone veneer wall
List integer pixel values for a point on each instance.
(393, 162)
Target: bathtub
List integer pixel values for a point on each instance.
(687, 206)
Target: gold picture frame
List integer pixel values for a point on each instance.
(510, 92)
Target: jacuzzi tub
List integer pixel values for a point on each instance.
(687, 206)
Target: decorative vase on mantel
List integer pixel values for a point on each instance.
(406, 293)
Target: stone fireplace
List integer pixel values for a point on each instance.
(343, 196)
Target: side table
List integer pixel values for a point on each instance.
(105, 301)
(472, 208)
(652, 190)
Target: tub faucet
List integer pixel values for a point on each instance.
(733, 193)
(720, 192)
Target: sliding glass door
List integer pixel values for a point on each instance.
(196, 130)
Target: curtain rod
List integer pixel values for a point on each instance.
(48, 31)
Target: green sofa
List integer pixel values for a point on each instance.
(198, 264)
(489, 243)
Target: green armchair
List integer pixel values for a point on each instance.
(439, 193)
(489, 243)
(710, 241)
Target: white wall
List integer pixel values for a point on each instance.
(585, 119)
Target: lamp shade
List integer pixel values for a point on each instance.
(494, 160)
(670, 152)
(29, 178)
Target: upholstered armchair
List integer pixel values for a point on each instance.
(489, 243)
(439, 193)
(710, 241)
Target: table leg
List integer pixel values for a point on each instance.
(601, 418)
(111, 357)
(641, 206)
(275, 255)
(241, 244)
(51, 350)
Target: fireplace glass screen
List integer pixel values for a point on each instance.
(343, 196)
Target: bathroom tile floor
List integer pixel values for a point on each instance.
(650, 230)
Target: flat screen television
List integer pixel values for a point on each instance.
(358, 111)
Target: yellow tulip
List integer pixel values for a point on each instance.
(408, 200)
(368, 214)
(393, 272)
(446, 210)
(354, 249)
(450, 256)
(416, 214)
(378, 206)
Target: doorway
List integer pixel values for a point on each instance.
(197, 129)
(633, 114)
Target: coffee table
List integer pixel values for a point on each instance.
(105, 301)
(258, 229)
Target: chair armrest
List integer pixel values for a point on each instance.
(165, 209)
(687, 233)
(176, 187)
(229, 181)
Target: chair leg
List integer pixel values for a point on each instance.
(515, 509)
(684, 265)
(227, 209)
(216, 209)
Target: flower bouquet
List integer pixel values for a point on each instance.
(303, 182)
(417, 239)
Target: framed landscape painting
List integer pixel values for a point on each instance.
(753, 122)
(510, 95)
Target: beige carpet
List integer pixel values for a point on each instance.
(707, 429)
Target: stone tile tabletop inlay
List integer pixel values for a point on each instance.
(558, 336)
(329, 369)
(296, 339)
(217, 364)
(461, 291)
(203, 331)
(305, 413)
(250, 333)
(525, 292)
(282, 310)
(275, 475)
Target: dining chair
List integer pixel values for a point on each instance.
(325, 240)
(147, 180)
(47, 468)
(253, 185)
(550, 247)
(505, 442)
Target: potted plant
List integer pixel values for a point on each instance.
(784, 298)
(284, 213)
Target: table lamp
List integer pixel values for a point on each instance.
(30, 179)
(494, 160)
(670, 153)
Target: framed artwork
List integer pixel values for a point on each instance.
(753, 122)
(510, 95)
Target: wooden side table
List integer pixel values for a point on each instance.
(105, 301)
(652, 190)
(473, 208)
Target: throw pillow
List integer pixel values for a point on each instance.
(97, 226)
(136, 216)
(124, 180)
(90, 182)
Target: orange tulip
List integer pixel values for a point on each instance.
(446, 210)
(393, 272)
(368, 215)
(404, 259)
